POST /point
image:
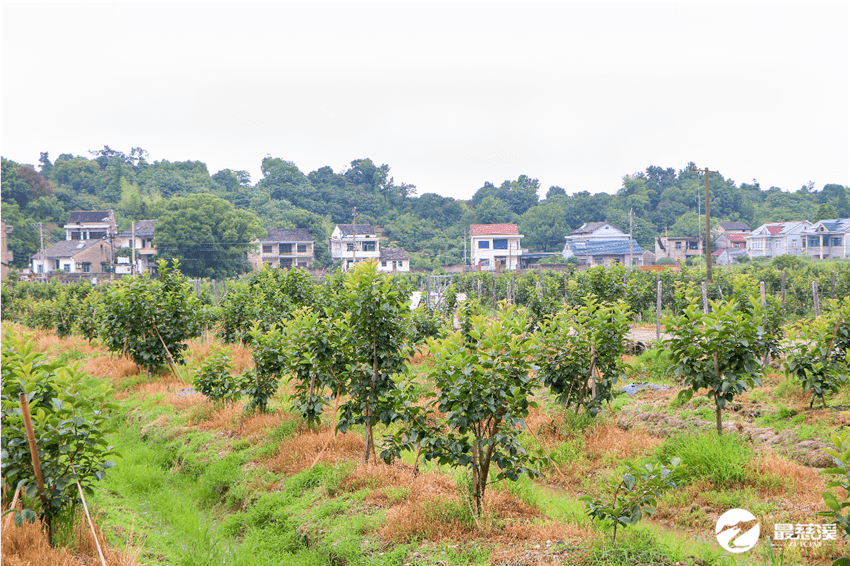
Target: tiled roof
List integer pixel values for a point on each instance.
(144, 228)
(605, 247)
(590, 227)
(393, 254)
(837, 224)
(67, 248)
(287, 235)
(736, 237)
(774, 228)
(493, 230)
(86, 216)
(362, 229)
(734, 226)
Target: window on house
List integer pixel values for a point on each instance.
(267, 249)
(368, 246)
(484, 244)
(286, 248)
(383, 264)
(302, 264)
(835, 241)
(814, 241)
(693, 245)
(500, 244)
(76, 236)
(86, 267)
(286, 262)
(97, 235)
(598, 260)
(678, 245)
(302, 248)
(349, 247)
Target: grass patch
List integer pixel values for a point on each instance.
(653, 366)
(719, 459)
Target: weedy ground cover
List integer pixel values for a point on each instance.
(201, 484)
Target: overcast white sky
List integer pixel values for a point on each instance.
(449, 96)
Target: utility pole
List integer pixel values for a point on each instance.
(707, 225)
(631, 215)
(464, 247)
(133, 247)
(354, 239)
(41, 253)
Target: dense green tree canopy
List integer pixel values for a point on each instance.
(207, 234)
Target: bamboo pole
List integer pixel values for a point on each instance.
(91, 525)
(36, 462)
(12, 506)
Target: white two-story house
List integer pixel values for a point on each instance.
(495, 247)
(350, 245)
(139, 238)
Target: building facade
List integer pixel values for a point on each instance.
(828, 239)
(495, 247)
(679, 248)
(602, 243)
(284, 248)
(140, 240)
(73, 256)
(91, 225)
(777, 238)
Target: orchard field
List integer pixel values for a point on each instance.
(294, 421)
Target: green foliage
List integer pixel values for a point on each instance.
(818, 355)
(653, 364)
(839, 510)
(318, 349)
(427, 323)
(150, 320)
(379, 308)
(640, 495)
(716, 351)
(70, 421)
(215, 380)
(484, 388)
(207, 235)
(580, 353)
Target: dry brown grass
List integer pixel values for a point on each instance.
(611, 439)
(27, 545)
(112, 367)
(807, 483)
(201, 349)
(298, 453)
(440, 516)
(48, 342)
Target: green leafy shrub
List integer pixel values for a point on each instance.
(70, 421)
(839, 510)
(215, 379)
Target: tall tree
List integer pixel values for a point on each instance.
(544, 228)
(208, 235)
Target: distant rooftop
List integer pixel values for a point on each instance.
(87, 216)
(286, 235)
(493, 230)
(362, 229)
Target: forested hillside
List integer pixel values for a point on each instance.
(429, 226)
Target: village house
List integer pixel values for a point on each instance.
(602, 243)
(140, 240)
(828, 239)
(73, 256)
(733, 228)
(495, 247)
(350, 245)
(283, 247)
(680, 248)
(90, 225)
(777, 238)
(730, 241)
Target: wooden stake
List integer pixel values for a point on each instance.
(36, 462)
(12, 506)
(91, 525)
(658, 308)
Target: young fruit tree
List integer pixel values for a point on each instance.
(817, 356)
(484, 385)
(580, 353)
(70, 423)
(379, 307)
(716, 351)
(151, 319)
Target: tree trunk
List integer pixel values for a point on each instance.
(719, 421)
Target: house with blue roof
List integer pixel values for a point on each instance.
(602, 243)
(828, 239)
